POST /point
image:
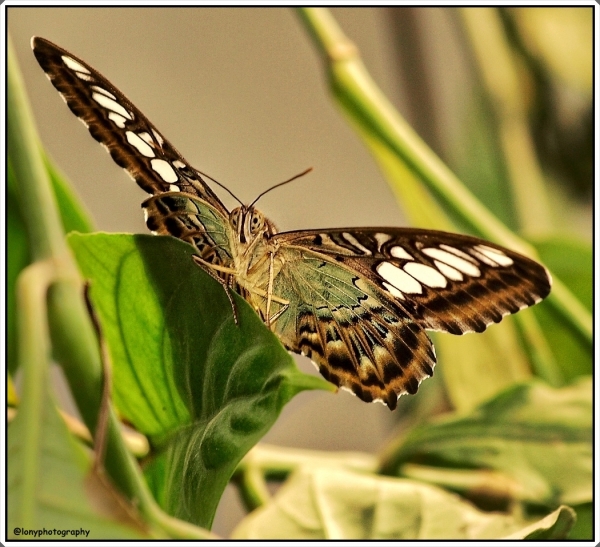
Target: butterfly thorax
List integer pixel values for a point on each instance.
(253, 249)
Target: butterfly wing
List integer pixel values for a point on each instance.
(182, 204)
(361, 299)
(132, 141)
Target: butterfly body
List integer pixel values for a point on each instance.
(356, 301)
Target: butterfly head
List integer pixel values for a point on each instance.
(249, 224)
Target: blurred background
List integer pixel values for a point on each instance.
(241, 93)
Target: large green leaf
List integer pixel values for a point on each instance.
(539, 437)
(341, 504)
(203, 388)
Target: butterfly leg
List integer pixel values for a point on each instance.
(269, 319)
(276, 316)
(212, 269)
(269, 291)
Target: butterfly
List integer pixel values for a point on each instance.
(356, 301)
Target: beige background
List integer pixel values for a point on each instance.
(242, 95)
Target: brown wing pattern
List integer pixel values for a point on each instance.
(132, 141)
(442, 281)
(359, 339)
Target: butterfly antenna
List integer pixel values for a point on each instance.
(306, 171)
(221, 185)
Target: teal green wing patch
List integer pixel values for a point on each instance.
(193, 220)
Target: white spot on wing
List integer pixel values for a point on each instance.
(74, 65)
(393, 290)
(352, 392)
(453, 260)
(147, 137)
(483, 258)
(104, 92)
(165, 170)
(174, 188)
(425, 274)
(355, 243)
(381, 239)
(457, 252)
(399, 278)
(117, 119)
(400, 252)
(448, 271)
(179, 164)
(107, 102)
(141, 146)
(86, 77)
(495, 254)
(129, 173)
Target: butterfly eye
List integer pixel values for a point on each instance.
(235, 218)
(255, 223)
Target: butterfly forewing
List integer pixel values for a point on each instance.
(192, 220)
(357, 301)
(132, 141)
(442, 281)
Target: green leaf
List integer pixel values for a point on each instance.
(572, 260)
(340, 504)
(539, 437)
(477, 367)
(584, 526)
(49, 483)
(205, 389)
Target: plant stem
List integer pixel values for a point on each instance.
(34, 193)
(34, 358)
(500, 77)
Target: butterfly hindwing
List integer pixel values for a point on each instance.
(358, 340)
(132, 141)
